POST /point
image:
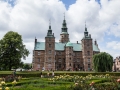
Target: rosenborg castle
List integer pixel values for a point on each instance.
(64, 55)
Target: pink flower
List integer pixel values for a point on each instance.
(118, 80)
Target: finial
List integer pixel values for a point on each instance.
(85, 24)
(49, 22)
(64, 15)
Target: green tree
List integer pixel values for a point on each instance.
(102, 62)
(27, 66)
(12, 50)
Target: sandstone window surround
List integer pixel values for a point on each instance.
(88, 66)
(88, 53)
(59, 60)
(38, 52)
(38, 59)
(50, 45)
(50, 52)
(78, 59)
(38, 66)
(49, 59)
(88, 60)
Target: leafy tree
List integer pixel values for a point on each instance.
(102, 62)
(12, 50)
(27, 66)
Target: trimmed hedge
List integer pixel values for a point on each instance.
(57, 73)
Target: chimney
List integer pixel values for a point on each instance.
(95, 42)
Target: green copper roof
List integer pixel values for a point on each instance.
(86, 37)
(60, 46)
(69, 44)
(64, 33)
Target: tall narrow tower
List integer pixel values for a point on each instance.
(64, 36)
(69, 56)
(87, 50)
(49, 62)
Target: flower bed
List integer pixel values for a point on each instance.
(63, 82)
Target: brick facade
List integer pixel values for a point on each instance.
(51, 57)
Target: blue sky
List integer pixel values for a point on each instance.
(30, 18)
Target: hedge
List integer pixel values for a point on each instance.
(57, 73)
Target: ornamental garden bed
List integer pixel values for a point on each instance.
(63, 82)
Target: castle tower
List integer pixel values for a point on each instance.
(87, 50)
(49, 63)
(64, 36)
(69, 56)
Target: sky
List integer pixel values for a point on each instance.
(30, 18)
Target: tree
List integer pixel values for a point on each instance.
(102, 62)
(27, 66)
(12, 50)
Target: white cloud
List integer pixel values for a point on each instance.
(114, 45)
(30, 18)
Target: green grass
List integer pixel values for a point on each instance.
(41, 84)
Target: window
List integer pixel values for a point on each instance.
(59, 60)
(38, 66)
(88, 53)
(70, 64)
(74, 60)
(69, 53)
(49, 66)
(59, 65)
(74, 66)
(50, 45)
(88, 65)
(38, 59)
(70, 58)
(88, 60)
(38, 53)
(49, 51)
(49, 59)
(78, 60)
(49, 39)
(59, 52)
